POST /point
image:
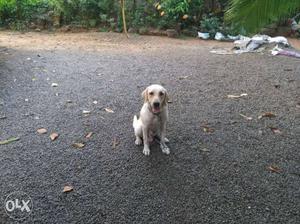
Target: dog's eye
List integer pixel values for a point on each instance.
(151, 93)
(161, 93)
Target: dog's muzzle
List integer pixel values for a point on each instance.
(156, 108)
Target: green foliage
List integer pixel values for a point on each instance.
(252, 15)
(210, 25)
(174, 11)
(163, 14)
(20, 12)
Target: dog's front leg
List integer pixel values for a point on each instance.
(146, 149)
(163, 130)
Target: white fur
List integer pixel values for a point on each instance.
(150, 124)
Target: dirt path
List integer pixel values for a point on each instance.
(219, 167)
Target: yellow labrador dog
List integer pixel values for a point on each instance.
(153, 119)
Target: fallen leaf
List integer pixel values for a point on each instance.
(247, 118)
(26, 100)
(108, 110)
(53, 136)
(54, 84)
(95, 102)
(208, 129)
(237, 96)
(115, 143)
(275, 130)
(3, 117)
(10, 140)
(185, 16)
(183, 77)
(274, 169)
(67, 189)
(86, 112)
(42, 130)
(267, 114)
(89, 135)
(204, 150)
(78, 145)
(170, 101)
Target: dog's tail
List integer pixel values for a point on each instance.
(135, 121)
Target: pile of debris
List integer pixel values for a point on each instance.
(258, 43)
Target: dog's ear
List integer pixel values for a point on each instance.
(166, 99)
(145, 95)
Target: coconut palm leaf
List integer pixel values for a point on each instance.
(255, 14)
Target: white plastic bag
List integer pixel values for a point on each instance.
(204, 36)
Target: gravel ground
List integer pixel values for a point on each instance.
(220, 166)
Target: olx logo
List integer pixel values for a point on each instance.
(18, 205)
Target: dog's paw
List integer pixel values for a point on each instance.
(146, 151)
(165, 149)
(138, 141)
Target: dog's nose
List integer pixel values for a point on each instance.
(156, 104)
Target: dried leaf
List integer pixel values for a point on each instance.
(170, 101)
(267, 114)
(115, 143)
(185, 16)
(275, 130)
(86, 112)
(89, 135)
(183, 77)
(95, 102)
(274, 169)
(42, 130)
(10, 140)
(67, 189)
(204, 150)
(78, 145)
(237, 96)
(247, 118)
(53, 136)
(54, 84)
(108, 110)
(3, 117)
(208, 129)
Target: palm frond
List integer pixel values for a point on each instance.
(255, 14)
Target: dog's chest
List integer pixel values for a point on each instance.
(154, 123)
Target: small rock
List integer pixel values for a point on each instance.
(132, 30)
(172, 33)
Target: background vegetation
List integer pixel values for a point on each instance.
(183, 15)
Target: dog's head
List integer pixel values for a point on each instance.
(156, 96)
